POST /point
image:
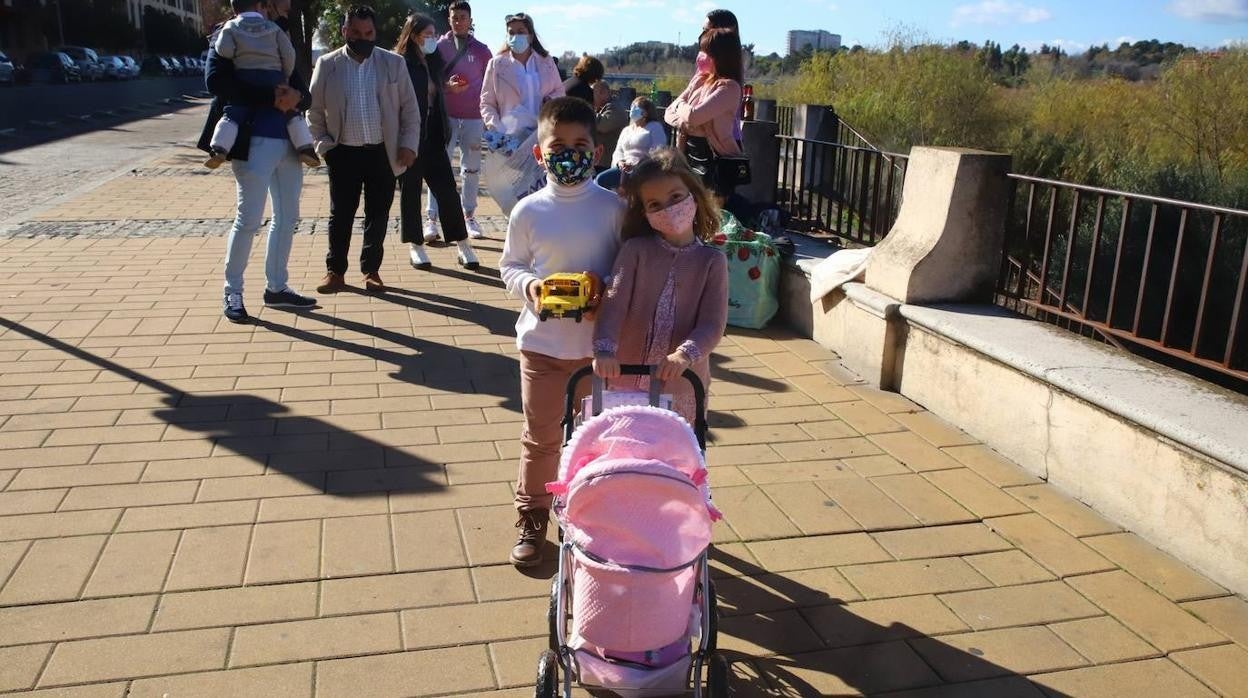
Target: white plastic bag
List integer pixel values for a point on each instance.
(509, 169)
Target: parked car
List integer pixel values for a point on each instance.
(114, 68)
(132, 66)
(53, 67)
(87, 60)
(157, 66)
(8, 71)
(175, 66)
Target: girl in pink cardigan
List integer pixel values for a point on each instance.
(668, 300)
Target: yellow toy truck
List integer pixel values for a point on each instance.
(565, 295)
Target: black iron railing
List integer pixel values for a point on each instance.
(1160, 277)
(832, 189)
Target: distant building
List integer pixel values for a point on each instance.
(815, 39)
(186, 10)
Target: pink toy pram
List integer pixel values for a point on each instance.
(632, 607)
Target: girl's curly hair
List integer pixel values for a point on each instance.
(660, 163)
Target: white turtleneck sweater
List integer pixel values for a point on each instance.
(559, 229)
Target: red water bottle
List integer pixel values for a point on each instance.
(747, 103)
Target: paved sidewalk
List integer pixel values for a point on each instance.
(318, 504)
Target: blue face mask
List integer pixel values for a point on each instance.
(636, 113)
(519, 43)
(429, 45)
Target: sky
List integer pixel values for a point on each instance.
(1074, 25)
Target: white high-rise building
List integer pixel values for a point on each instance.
(816, 39)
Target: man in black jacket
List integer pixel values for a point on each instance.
(264, 164)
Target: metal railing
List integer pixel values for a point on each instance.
(1160, 277)
(784, 119)
(832, 189)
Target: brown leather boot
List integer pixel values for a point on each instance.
(332, 283)
(527, 551)
(373, 282)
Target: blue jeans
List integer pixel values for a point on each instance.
(271, 168)
(611, 179)
(465, 135)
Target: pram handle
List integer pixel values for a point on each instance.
(699, 397)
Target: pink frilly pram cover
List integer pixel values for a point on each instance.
(634, 502)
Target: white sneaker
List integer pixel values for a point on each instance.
(420, 260)
(431, 230)
(474, 228)
(467, 258)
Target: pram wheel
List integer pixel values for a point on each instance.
(717, 676)
(548, 676)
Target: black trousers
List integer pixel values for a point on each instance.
(352, 169)
(433, 165)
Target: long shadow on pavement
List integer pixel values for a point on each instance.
(312, 450)
(866, 657)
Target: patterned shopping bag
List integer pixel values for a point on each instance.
(753, 273)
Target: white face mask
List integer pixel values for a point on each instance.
(429, 45)
(518, 43)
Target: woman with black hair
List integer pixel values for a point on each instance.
(418, 44)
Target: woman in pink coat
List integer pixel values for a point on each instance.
(705, 114)
(518, 80)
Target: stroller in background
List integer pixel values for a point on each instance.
(632, 608)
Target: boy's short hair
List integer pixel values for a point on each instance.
(566, 110)
(241, 6)
(460, 5)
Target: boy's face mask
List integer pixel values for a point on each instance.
(570, 167)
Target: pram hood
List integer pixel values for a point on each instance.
(633, 489)
(634, 504)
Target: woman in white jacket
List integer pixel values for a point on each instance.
(519, 79)
(642, 134)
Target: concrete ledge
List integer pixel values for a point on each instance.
(1189, 411)
(1155, 451)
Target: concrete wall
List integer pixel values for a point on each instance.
(1159, 452)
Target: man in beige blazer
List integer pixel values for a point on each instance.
(366, 125)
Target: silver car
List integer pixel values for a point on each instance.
(87, 60)
(114, 68)
(8, 73)
(132, 66)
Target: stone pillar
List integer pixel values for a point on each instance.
(665, 98)
(764, 110)
(758, 139)
(815, 123)
(946, 244)
(626, 95)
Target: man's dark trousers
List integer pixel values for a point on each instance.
(352, 168)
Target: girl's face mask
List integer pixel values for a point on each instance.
(570, 167)
(429, 45)
(675, 220)
(636, 113)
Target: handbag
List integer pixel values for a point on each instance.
(732, 170)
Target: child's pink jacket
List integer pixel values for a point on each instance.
(628, 312)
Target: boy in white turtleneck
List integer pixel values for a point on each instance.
(571, 225)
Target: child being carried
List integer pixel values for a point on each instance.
(263, 57)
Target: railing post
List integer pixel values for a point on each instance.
(758, 139)
(665, 98)
(947, 243)
(764, 110)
